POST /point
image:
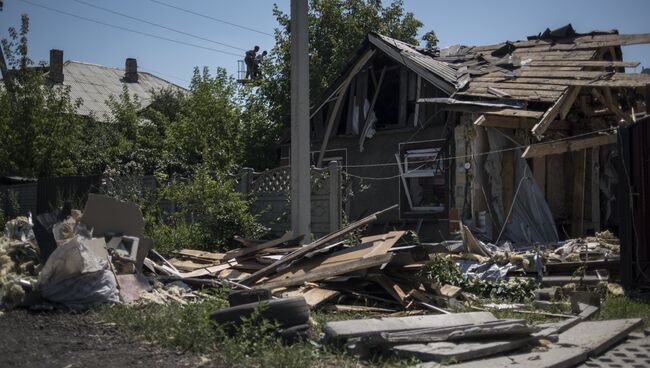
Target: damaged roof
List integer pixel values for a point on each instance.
(94, 84)
(437, 72)
(549, 68)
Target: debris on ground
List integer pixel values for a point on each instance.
(432, 291)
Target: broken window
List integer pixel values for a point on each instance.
(424, 186)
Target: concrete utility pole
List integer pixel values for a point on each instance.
(300, 145)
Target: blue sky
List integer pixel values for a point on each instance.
(465, 22)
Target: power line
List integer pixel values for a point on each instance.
(211, 18)
(129, 29)
(157, 25)
(449, 158)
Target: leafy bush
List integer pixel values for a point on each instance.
(209, 213)
(443, 270)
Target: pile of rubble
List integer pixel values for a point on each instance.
(101, 255)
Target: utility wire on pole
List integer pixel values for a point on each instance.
(300, 145)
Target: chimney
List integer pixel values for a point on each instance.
(131, 71)
(56, 66)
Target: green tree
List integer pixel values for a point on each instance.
(336, 29)
(431, 39)
(259, 134)
(207, 132)
(40, 128)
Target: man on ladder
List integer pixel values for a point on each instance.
(249, 59)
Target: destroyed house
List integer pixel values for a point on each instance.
(95, 84)
(516, 140)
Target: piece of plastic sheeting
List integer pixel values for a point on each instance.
(490, 271)
(76, 277)
(531, 220)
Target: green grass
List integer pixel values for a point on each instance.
(188, 329)
(633, 306)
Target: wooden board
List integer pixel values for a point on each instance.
(515, 85)
(554, 148)
(586, 63)
(553, 111)
(320, 243)
(189, 265)
(361, 327)
(313, 296)
(200, 255)
(370, 246)
(391, 287)
(236, 253)
(321, 273)
(210, 271)
(539, 173)
(508, 180)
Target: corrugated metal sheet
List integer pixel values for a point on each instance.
(94, 84)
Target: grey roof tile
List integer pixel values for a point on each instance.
(94, 84)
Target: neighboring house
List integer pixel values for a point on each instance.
(94, 84)
(442, 133)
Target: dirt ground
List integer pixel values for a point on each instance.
(67, 340)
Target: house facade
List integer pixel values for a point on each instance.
(516, 140)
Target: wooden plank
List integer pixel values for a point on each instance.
(313, 246)
(546, 74)
(313, 296)
(366, 126)
(450, 291)
(513, 94)
(357, 308)
(356, 328)
(528, 114)
(401, 106)
(566, 107)
(514, 85)
(200, 255)
(550, 114)
(595, 187)
(237, 253)
(344, 86)
(616, 80)
(370, 246)
(539, 173)
(321, 273)
(554, 148)
(210, 271)
(189, 265)
(586, 63)
(508, 180)
(392, 288)
(578, 208)
(612, 106)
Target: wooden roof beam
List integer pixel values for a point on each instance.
(567, 97)
(554, 148)
(344, 87)
(612, 106)
(507, 122)
(573, 94)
